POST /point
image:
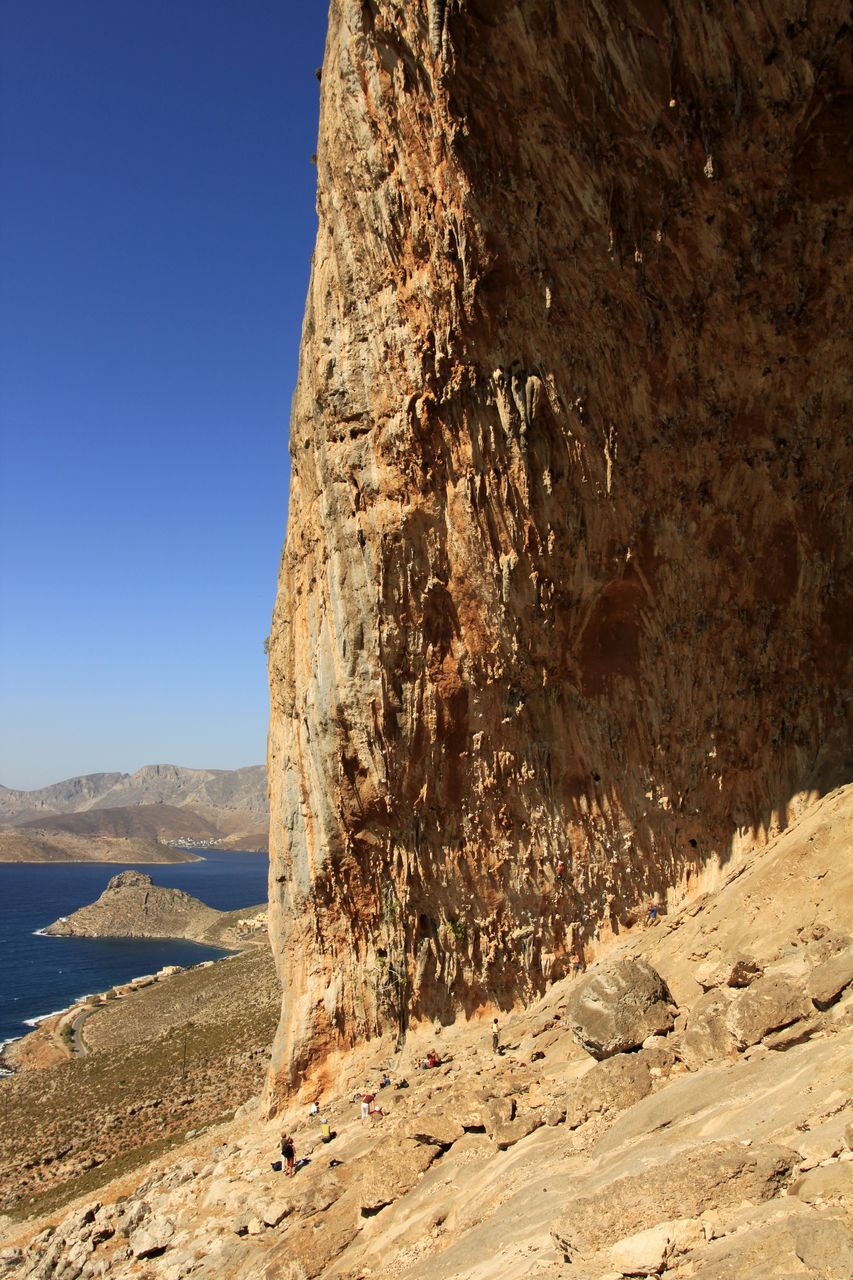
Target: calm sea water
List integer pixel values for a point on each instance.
(41, 975)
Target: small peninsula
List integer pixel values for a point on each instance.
(132, 906)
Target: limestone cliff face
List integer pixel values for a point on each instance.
(564, 571)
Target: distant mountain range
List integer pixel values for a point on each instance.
(160, 802)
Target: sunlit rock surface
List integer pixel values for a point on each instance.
(563, 579)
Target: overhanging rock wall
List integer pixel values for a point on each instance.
(564, 577)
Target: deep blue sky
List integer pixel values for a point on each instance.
(156, 225)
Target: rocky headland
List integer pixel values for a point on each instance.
(132, 906)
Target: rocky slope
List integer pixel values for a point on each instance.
(720, 1147)
(221, 800)
(564, 575)
(132, 906)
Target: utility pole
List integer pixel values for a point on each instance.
(187, 1029)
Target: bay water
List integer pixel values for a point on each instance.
(40, 975)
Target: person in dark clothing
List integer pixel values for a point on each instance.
(288, 1154)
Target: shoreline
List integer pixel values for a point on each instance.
(116, 963)
(109, 862)
(80, 1004)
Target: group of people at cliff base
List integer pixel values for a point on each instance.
(289, 1164)
(369, 1110)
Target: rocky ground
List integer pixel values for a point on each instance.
(704, 1130)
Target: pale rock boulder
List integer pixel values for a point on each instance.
(619, 1008)
(825, 1182)
(607, 1088)
(275, 1212)
(710, 974)
(707, 1036)
(769, 1004)
(385, 1174)
(828, 980)
(525, 1123)
(646, 1252)
(825, 1247)
(153, 1238)
(698, 1179)
(436, 1128)
(642, 1254)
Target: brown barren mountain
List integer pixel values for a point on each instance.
(564, 578)
(225, 796)
(148, 821)
(157, 803)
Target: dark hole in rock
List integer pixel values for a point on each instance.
(370, 1211)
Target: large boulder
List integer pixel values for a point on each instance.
(608, 1088)
(714, 1175)
(788, 1246)
(152, 1238)
(831, 978)
(825, 1246)
(646, 1252)
(619, 1008)
(707, 1036)
(506, 1135)
(385, 1174)
(435, 1128)
(770, 1003)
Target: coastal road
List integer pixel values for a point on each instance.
(78, 1048)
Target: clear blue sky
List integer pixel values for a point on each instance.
(156, 226)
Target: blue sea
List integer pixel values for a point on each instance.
(39, 975)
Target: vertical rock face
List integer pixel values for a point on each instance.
(564, 571)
